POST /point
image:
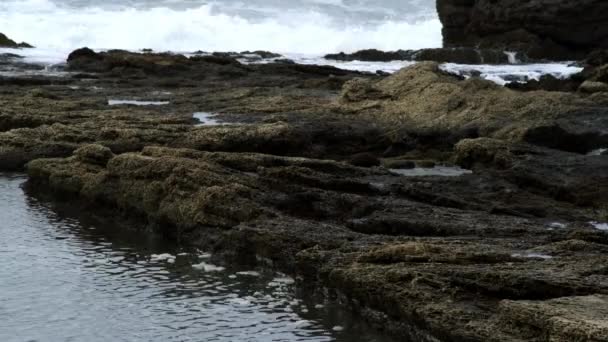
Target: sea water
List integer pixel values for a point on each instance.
(301, 30)
(73, 276)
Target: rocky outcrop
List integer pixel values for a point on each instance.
(8, 43)
(424, 98)
(550, 29)
(461, 55)
(308, 172)
(415, 254)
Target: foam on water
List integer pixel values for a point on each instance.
(503, 74)
(390, 67)
(500, 74)
(302, 30)
(600, 225)
(210, 27)
(532, 256)
(203, 266)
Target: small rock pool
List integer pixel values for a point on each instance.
(115, 102)
(207, 119)
(73, 276)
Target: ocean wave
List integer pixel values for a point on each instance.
(47, 25)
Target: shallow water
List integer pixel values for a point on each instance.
(503, 74)
(72, 276)
(137, 103)
(598, 152)
(600, 225)
(206, 119)
(447, 171)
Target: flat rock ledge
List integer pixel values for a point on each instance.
(437, 272)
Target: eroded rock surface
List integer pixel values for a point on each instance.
(304, 172)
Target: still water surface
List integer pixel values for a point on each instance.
(67, 276)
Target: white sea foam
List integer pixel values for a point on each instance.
(600, 226)
(389, 67)
(500, 74)
(249, 273)
(62, 29)
(503, 74)
(301, 30)
(203, 266)
(162, 257)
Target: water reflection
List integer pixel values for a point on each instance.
(70, 276)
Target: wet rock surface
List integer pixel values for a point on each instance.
(303, 177)
(550, 29)
(462, 55)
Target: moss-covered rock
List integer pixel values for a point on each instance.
(423, 99)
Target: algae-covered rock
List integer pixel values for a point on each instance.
(483, 150)
(562, 319)
(591, 87)
(94, 154)
(284, 178)
(423, 99)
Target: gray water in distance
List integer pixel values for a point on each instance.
(74, 276)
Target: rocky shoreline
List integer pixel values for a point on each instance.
(336, 177)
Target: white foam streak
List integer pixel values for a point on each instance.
(503, 74)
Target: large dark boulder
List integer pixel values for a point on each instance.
(9, 43)
(371, 55)
(550, 29)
